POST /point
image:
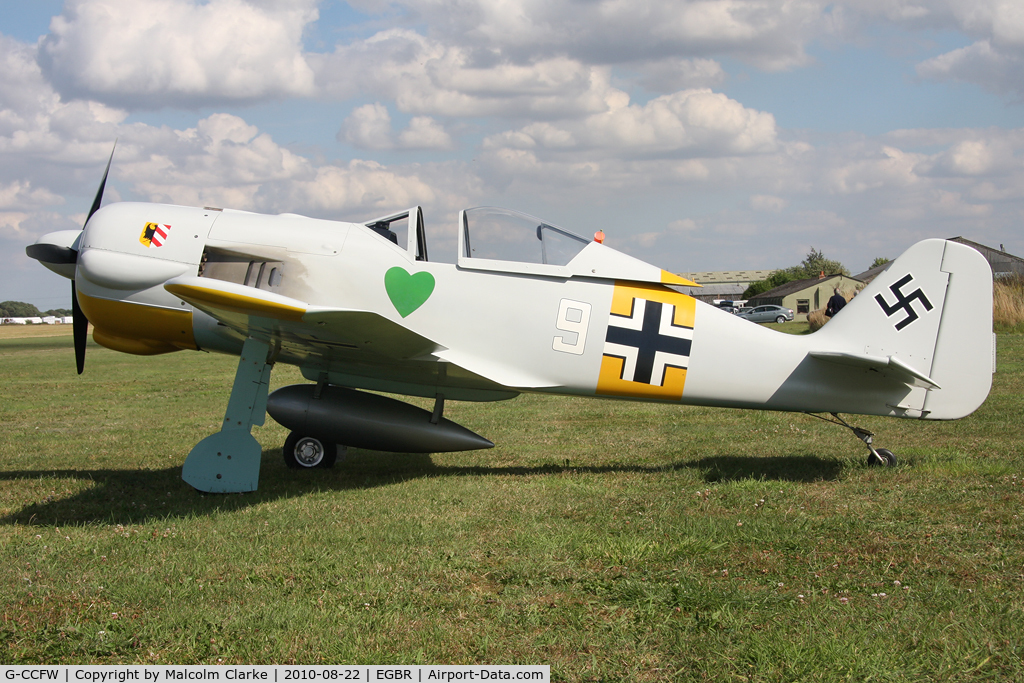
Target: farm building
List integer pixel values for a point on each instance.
(1003, 263)
(871, 273)
(804, 296)
(722, 285)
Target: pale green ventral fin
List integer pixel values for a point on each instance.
(229, 461)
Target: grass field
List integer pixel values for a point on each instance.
(613, 541)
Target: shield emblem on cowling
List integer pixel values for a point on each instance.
(154, 234)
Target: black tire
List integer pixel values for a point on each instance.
(781, 319)
(306, 452)
(888, 456)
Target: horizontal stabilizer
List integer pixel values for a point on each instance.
(890, 366)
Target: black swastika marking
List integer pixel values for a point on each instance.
(903, 302)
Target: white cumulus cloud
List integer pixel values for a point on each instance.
(154, 53)
(675, 73)
(769, 34)
(369, 127)
(429, 77)
(996, 69)
(21, 195)
(686, 124)
(995, 58)
(764, 202)
(424, 133)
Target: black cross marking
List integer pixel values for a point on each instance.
(903, 302)
(647, 341)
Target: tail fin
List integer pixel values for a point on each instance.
(926, 320)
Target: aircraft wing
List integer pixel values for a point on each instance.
(505, 375)
(316, 329)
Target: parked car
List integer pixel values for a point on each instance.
(729, 305)
(767, 314)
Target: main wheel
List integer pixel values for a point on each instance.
(888, 456)
(305, 452)
(781, 319)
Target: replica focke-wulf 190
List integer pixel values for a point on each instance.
(527, 306)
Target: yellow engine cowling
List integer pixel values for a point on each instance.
(138, 328)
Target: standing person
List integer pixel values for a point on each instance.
(835, 303)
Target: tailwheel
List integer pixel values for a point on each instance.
(306, 452)
(886, 458)
(877, 457)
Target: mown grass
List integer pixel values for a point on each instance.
(613, 541)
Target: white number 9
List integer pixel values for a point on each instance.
(573, 317)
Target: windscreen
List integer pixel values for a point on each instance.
(501, 234)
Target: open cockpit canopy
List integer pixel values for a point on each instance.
(501, 234)
(505, 241)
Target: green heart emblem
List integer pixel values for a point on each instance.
(408, 292)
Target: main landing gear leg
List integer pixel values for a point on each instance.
(229, 461)
(882, 457)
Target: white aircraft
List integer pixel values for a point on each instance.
(526, 307)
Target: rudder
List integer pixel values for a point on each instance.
(965, 348)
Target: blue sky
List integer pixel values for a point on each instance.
(710, 135)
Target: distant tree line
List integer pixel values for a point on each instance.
(813, 265)
(19, 309)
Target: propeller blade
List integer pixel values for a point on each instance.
(103, 183)
(80, 329)
(80, 323)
